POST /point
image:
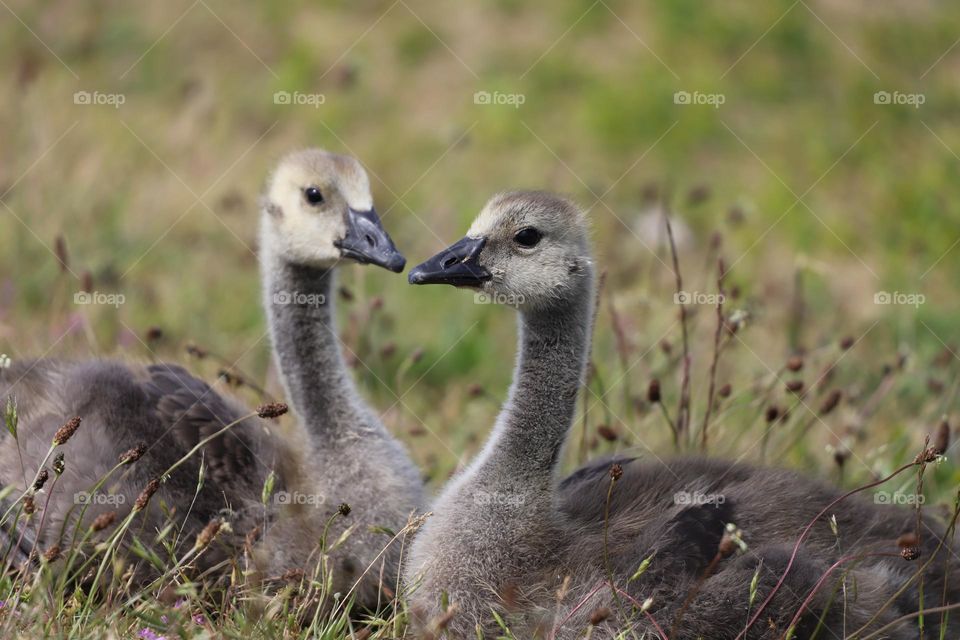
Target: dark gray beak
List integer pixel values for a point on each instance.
(458, 265)
(368, 243)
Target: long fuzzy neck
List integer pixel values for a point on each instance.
(524, 448)
(299, 301)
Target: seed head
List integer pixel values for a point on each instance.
(208, 534)
(831, 401)
(607, 432)
(343, 509)
(599, 615)
(942, 440)
(104, 520)
(795, 386)
(66, 432)
(846, 342)
(52, 553)
(63, 257)
(41, 480)
(910, 553)
(86, 282)
(29, 506)
(653, 391)
(795, 363)
(272, 410)
(154, 334)
(616, 471)
(773, 412)
(132, 455)
(725, 391)
(58, 465)
(144, 498)
(925, 456)
(197, 351)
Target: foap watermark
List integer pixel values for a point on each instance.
(299, 98)
(909, 499)
(696, 97)
(698, 297)
(899, 297)
(284, 298)
(297, 498)
(497, 498)
(499, 98)
(697, 498)
(99, 99)
(99, 298)
(97, 498)
(509, 299)
(896, 97)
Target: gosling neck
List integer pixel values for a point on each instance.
(553, 346)
(299, 301)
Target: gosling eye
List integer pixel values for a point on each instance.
(528, 237)
(313, 195)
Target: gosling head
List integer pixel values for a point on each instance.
(529, 249)
(317, 210)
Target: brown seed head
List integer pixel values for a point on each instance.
(925, 456)
(725, 391)
(52, 553)
(144, 498)
(86, 282)
(208, 534)
(132, 455)
(154, 334)
(197, 351)
(607, 432)
(104, 520)
(616, 471)
(773, 412)
(344, 509)
(653, 391)
(831, 401)
(29, 506)
(846, 342)
(795, 363)
(599, 615)
(41, 480)
(345, 294)
(840, 455)
(66, 432)
(941, 441)
(475, 390)
(910, 553)
(272, 410)
(63, 257)
(795, 386)
(58, 465)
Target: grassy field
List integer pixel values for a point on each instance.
(812, 145)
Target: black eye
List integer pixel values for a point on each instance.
(528, 237)
(313, 195)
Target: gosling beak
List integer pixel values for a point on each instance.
(367, 242)
(458, 265)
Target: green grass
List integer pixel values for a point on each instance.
(879, 212)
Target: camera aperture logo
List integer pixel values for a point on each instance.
(287, 498)
(99, 298)
(96, 98)
(97, 498)
(285, 298)
(299, 98)
(698, 98)
(899, 297)
(896, 97)
(514, 100)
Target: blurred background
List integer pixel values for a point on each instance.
(812, 144)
